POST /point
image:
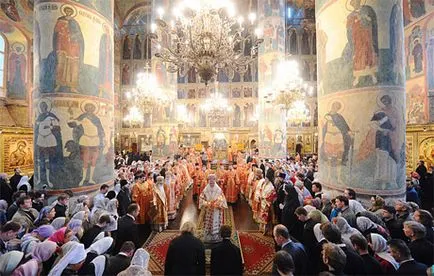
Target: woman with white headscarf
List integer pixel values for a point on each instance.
(72, 258)
(10, 261)
(378, 244)
(139, 264)
(41, 253)
(346, 230)
(98, 209)
(3, 211)
(84, 217)
(24, 184)
(315, 258)
(367, 226)
(58, 223)
(96, 249)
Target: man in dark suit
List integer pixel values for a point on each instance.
(15, 179)
(61, 205)
(295, 249)
(90, 235)
(186, 253)
(407, 265)
(127, 227)
(120, 261)
(123, 198)
(226, 257)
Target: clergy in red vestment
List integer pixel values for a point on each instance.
(198, 181)
(142, 195)
(232, 185)
(256, 193)
(212, 203)
(266, 199)
(159, 206)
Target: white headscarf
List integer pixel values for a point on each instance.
(99, 264)
(24, 181)
(99, 237)
(72, 253)
(139, 264)
(318, 233)
(100, 246)
(363, 223)
(79, 215)
(379, 246)
(10, 261)
(58, 223)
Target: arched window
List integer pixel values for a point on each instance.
(2, 60)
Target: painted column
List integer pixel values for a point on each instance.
(361, 96)
(272, 121)
(73, 99)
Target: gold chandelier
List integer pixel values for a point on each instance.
(216, 106)
(207, 38)
(291, 92)
(144, 96)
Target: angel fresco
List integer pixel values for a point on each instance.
(362, 22)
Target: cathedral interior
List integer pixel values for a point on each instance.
(69, 67)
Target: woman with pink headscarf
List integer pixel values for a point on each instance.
(41, 253)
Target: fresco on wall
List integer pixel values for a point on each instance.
(350, 62)
(361, 143)
(10, 9)
(409, 153)
(68, 60)
(17, 72)
(73, 105)
(417, 112)
(18, 152)
(414, 53)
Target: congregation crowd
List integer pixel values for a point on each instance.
(314, 232)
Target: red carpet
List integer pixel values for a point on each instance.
(157, 245)
(257, 251)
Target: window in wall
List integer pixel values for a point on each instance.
(2, 59)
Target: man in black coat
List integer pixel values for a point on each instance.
(226, 257)
(295, 249)
(120, 261)
(289, 219)
(127, 227)
(123, 198)
(186, 254)
(61, 205)
(90, 235)
(360, 244)
(6, 190)
(354, 264)
(269, 172)
(407, 265)
(15, 179)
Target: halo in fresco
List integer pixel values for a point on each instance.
(48, 102)
(18, 47)
(86, 102)
(64, 7)
(332, 102)
(381, 94)
(348, 5)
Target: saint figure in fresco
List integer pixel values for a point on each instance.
(386, 140)
(406, 12)
(137, 51)
(68, 45)
(396, 44)
(127, 48)
(417, 8)
(10, 10)
(126, 77)
(362, 22)
(105, 63)
(48, 142)
(336, 136)
(89, 132)
(17, 73)
(417, 56)
(430, 62)
(237, 116)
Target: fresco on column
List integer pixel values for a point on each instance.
(271, 124)
(361, 142)
(73, 102)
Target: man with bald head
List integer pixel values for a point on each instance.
(212, 202)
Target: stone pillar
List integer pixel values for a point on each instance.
(361, 96)
(272, 121)
(73, 99)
